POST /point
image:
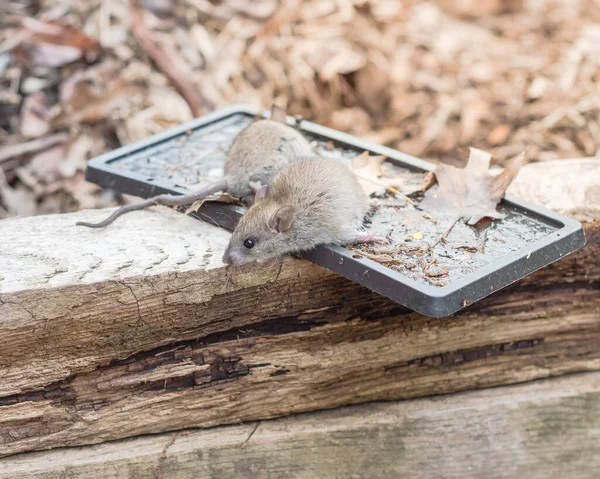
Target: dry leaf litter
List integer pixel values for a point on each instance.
(428, 78)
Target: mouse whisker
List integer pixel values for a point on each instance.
(210, 218)
(273, 263)
(228, 217)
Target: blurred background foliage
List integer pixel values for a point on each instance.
(78, 78)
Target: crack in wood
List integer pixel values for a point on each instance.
(163, 456)
(463, 356)
(221, 367)
(251, 433)
(137, 303)
(203, 363)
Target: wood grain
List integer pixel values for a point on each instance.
(48, 252)
(138, 328)
(547, 429)
(570, 187)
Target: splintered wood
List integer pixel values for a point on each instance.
(424, 77)
(498, 433)
(115, 333)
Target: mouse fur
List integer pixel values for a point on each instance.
(259, 152)
(309, 203)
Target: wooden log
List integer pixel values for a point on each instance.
(570, 187)
(139, 329)
(546, 429)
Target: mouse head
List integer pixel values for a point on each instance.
(262, 233)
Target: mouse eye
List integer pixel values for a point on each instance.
(249, 243)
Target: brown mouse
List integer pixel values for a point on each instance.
(256, 155)
(309, 203)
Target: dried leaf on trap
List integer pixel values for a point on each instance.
(427, 182)
(471, 193)
(370, 175)
(222, 198)
(374, 180)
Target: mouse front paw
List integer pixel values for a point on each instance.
(375, 204)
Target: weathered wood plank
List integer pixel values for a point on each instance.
(326, 344)
(44, 252)
(86, 297)
(544, 429)
(150, 333)
(570, 187)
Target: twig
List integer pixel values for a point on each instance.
(470, 248)
(13, 42)
(479, 247)
(444, 234)
(11, 151)
(483, 241)
(379, 258)
(169, 63)
(434, 281)
(431, 277)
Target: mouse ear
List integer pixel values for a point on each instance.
(261, 193)
(282, 219)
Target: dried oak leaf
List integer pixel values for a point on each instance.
(471, 193)
(18, 201)
(222, 198)
(370, 175)
(374, 180)
(52, 44)
(88, 106)
(44, 167)
(36, 115)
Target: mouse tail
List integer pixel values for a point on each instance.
(165, 199)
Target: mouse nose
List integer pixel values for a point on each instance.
(233, 257)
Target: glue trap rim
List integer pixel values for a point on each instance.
(436, 301)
